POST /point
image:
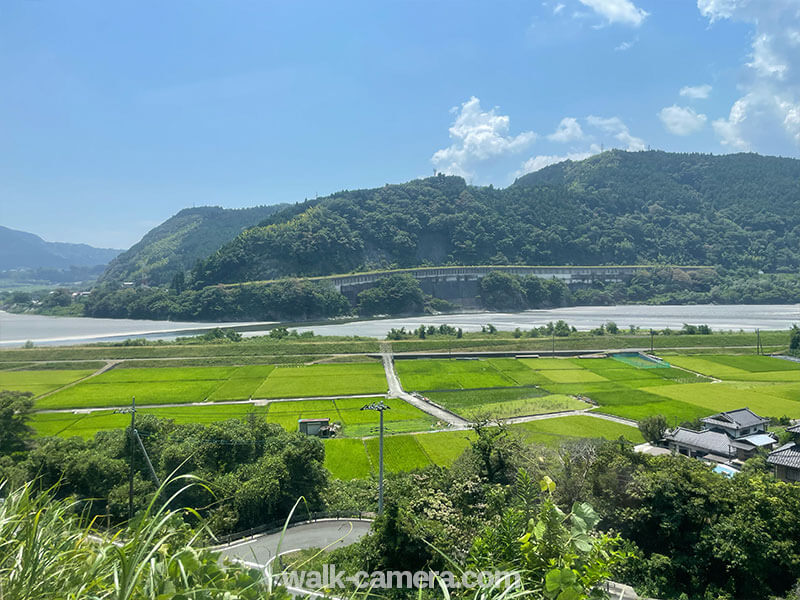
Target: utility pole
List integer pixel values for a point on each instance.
(553, 352)
(135, 438)
(380, 407)
(147, 458)
(758, 342)
(652, 333)
(132, 411)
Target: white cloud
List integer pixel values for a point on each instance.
(618, 130)
(717, 9)
(766, 117)
(558, 8)
(728, 129)
(625, 46)
(569, 130)
(592, 137)
(681, 120)
(697, 92)
(617, 11)
(478, 135)
(765, 61)
(536, 163)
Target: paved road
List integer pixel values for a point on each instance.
(396, 391)
(258, 551)
(321, 534)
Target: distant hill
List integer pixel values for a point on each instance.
(181, 240)
(22, 250)
(734, 211)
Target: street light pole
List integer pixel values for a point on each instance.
(380, 407)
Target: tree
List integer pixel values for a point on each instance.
(59, 297)
(396, 294)
(501, 291)
(15, 409)
(653, 427)
(178, 282)
(794, 338)
(494, 449)
(561, 328)
(558, 554)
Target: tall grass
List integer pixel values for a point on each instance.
(50, 550)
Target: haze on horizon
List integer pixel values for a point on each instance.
(113, 120)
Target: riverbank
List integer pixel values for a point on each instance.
(16, 329)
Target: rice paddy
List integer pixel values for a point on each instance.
(687, 388)
(505, 402)
(401, 416)
(345, 457)
(39, 382)
(323, 380)
(182, 385)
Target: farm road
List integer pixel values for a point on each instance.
(396, 391)
(253, 401)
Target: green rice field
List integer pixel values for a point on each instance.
(182, 385)
(39, 382)
(682, 388)
(450, 374)
(690, 386)
(505, 402)
(401, 416)
(345, 457)
(323, 380)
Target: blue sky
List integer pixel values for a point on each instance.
(114, 116)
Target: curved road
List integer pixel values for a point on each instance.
(330, 534)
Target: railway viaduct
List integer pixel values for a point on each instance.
(460, 284)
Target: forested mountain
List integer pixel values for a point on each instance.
(22, 250)
(182, 240)
(733, 211)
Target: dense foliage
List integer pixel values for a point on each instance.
(15, 434)
(180, 241)
(700, 533)
(735, 211)
(502, 291)
(285, 299)
(254, 471)
(392, 295)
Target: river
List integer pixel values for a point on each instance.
(41, 330)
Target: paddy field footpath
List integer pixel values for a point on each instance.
(282, 387)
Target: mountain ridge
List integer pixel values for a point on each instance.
(25, 250)
(177, 243)
(733, 211)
